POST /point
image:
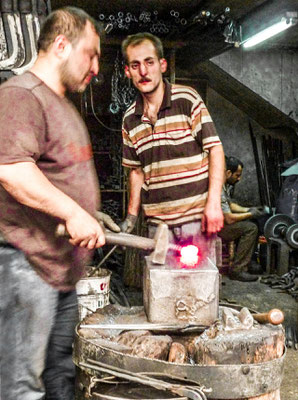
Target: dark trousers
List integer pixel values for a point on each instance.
(59, 373)
(37, 325)
(245, 233)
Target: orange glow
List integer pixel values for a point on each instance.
(189, 255)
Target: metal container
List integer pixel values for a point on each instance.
(230, 381)
(93, 292)
(176, 295)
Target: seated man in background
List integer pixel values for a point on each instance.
(237, 225)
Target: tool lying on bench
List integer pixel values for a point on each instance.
(159, 244)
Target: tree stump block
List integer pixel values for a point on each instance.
(259, 344)
(134, 259)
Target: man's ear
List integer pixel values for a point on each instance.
(127, 72)
(62, 47)
(228, 173)
(163, 64)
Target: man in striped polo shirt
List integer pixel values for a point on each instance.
(170, 144)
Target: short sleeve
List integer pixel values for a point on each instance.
(22, 126)
(130, 158)
(225, 205)
(203, 128)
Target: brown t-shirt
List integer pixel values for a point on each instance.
(38, 126)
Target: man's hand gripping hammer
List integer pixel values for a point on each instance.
(159, 244)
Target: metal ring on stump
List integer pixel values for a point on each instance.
(241, 363)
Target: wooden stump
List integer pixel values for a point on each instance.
(260, 344)
(134, 259)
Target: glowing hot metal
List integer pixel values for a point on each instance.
(189, 255)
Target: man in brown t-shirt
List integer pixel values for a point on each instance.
(47, 177)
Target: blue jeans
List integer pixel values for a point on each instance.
(36, 333)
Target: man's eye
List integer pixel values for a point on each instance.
(134, 66)
(150, 62)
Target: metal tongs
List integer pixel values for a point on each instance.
(191, 392)
(148, 327)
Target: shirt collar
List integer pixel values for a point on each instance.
(166, 101)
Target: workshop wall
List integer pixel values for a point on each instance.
(271, 74)
(233, 129)
(105, 132)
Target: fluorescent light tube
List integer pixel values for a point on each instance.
(272, 30)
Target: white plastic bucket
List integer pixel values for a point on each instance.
(93, 292)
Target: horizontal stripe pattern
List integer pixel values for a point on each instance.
(173, 154)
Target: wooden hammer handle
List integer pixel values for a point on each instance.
(119, 238)
(274, 316)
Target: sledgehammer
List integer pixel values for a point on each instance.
(274, 316)
(159, 244)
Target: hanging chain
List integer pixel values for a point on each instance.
(123, 93)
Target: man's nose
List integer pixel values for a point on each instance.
(95, 66)
(143, 69)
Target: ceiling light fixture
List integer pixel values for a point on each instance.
(272, 30)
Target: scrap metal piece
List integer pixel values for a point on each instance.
(229, 320)
(246, 318)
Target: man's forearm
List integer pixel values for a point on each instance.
(235, 208)
(231, 218)
(216, 174)
(136, 180)
(212, 220)
(29, 186)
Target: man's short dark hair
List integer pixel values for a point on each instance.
(232, 164)
(67, 21)
(138, 38)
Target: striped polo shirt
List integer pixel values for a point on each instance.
(173, 154)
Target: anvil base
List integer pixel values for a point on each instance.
(176, 295)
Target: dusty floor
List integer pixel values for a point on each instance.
(260, 297)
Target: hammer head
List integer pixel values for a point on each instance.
(161, 238)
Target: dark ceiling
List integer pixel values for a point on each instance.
(207, 25)
(195, 29)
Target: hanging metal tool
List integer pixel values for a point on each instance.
(3, 44)
(123, 93)
(260, 174)
(21, 46)
(114, 106)
(31, 30)
(10, 33)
